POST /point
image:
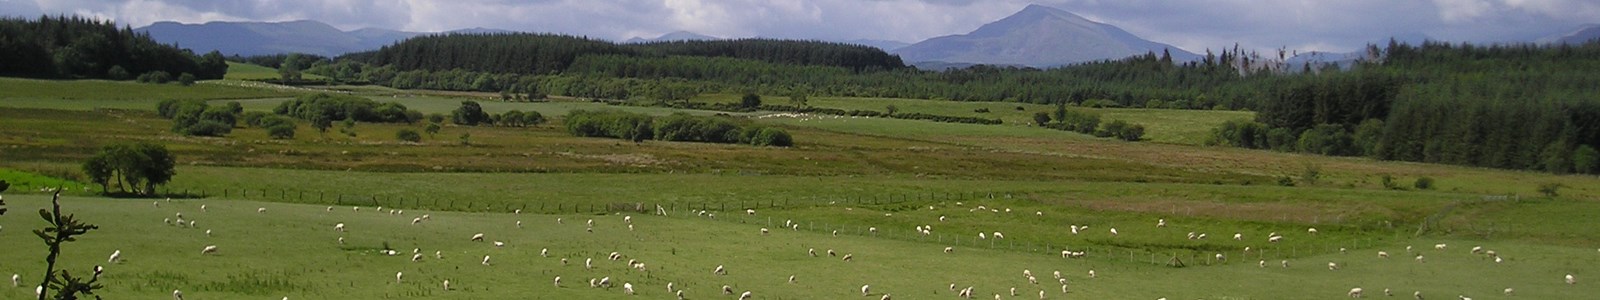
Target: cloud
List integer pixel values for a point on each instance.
(1194, 25)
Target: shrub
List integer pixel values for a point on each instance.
(1550, 189)
(281, 131)
(1423, 183)
(208, 128)
(750, 101)
(470, 114)
(433, 128)
(186, 79)
(340, 107)
(408, 135)
(1388, 182)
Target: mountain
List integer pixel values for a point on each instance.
(1037, 36)
(1585, 33)
(886, 45)
(263, 38)
(673, 36)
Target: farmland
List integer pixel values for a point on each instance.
(844, 174)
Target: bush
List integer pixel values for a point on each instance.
(1388, 182)
(436, 118)
(208, 128)
(281, 131)
(156, 77)
(340, 107)
(470, 114)
(1550, 189)
(408, 135)
(750, 101)
(1423, 183)
(186, 79)
(118, 73)
(676, 127)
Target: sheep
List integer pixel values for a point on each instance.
(669, 287)
(446, 284)
(1220, 257)
(1419, 258)
(627, 288)
(1274, 239)
(791, 278)
(948, 250)
(341, 241)
(1113, 231)
(745, 296)
(727, 290)
(157, 204)
(630, 227)
(614, 256)
(627, 219)
(982, 236)
(485, 260)
(1091, 273)
(1383, 254)
(1571, 280)
(1032, 280)
(1333, 266)
(1285, 264)
(519, 224)
(1387, 293)
(588, 263)
(339, 227)
(398, 276)
(1201, 237)
(16, 280)
(590, 223)
(592, 282)
(831, 254)
(1342, 250)
(212, 249)
(1061, 280)
(355, 208)
(680, 294)
(872, 229)
(1074, 229)
(719, 271)
(1238, 236)
(1509, 291)
(544, 252)
(835, 233)
(952, 286)
(1312, 230)
(763, 231)
(1355, 293)
(750, 212)
(1416, 295)
(1041, 294)
(1408, 248)
(261, 210)
(885, 297)
(499, 244)
(848, 256)
(477, 237)
(415, 221)
(176, 294)
(1026, 273)
(1013, 291)
(1161, 222)
(1477, 250)
(416, 257)
(605, 282)
(1491, 253)
(558, 281)
(1440, 246)
(115, 256)
(1497, 259)
(864, 290)
(998, 236)
(1261, 264)
(941, 218)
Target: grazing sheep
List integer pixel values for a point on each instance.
(1342, 250)
(1416, 295)
(1061, 280)
(477, 237)
(156, 203)
(558, 281)
(745, 296)
(982, 236)
(1497, 259)
(485, 260)
(949, 249)
(1510, 291)
(1201, 237)
(1220, 257)
(398, 276)
(1262, 263)
(864, 290)
(592, 282)
(614, 256)
(590, 223)
(719, 271)
(339, 227)
(178, 295)
(1419, 258)
(831, 254)
(341, 241)
(1387, 293)
(261, 210)
(1383, 254)
(1333, 266)
(872, 229)
(519, 224)
(1440, 246)
(1477, 250)
(727, 290)
(669, 287)
(1113, 231)
(438, 255)
(1238, 237)
(791, 278)
(997, 235)
(545, 252)
(848, 256)
(115, 256)
(764, 231)
(1161, 222)
(750, 211)
(1274, 239)
(499, 244)
(1571, 280)
(1285, 264)
(627, 219)
(1027, 273)
(415, 221)
(1075, 229)
(446, 284)
(680, 294)
(212, 249)
(605, 282)
(1091, 273)
(941, 218)
(1312, 230)
(1013, 291)
(835, 233)
(1355, 293)
(1491, 253)
(885, 297)
(416, 257)
(1463, 297)
(627, 288)
(16, 280)
(1032, 280)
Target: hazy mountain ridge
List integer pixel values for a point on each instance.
(1037, 36)
(262, 38)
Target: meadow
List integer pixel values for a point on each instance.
(871, 180)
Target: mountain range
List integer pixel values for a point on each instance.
(673, 36)
(1585, 33)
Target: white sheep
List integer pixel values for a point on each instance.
(1440, 246)
(680, 295)
(1477, 250)
(848, 256)
(627, 288)
(1416, 295)
(261, 210)
(1355, 293)
(416, 257)
(864, 290)
(1274, 239)
(589, 223)
(885, 297)
(1333, 266)
(997, 235)
(1497, 259)
(1238, 236)
(446, 284)
(1161, 222)
(669, 287)
(415, 221)
(764, 231)
(208, 231)
(835, 233)
(16, 280)
(745, 296)
(727, 290)
(341, 241)
(831, 254)
(941, 218)
(1419, 258)
(1571, 280)
(398, 276)
(1285, 264)
(593, 283)
(1013, 291)
(949, 249)
(485, 260)
(560, 221)
(499, 244)
(1091, 273)
(212, 249)
(588, 263)
(544, 252)
(605, 282)
(1261, 263)
(339, 227)
(558, 281)
(1113, 231)
(178, 295)
(719, 271)
(627, 219)
(1220, 257)
(1383, 254)
(115, 256)
(983, 236)
(1312, 230)
(750, 211)
(872, 229)
(1509, 291)
(477, 237)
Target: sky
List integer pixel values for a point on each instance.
(1195, 25)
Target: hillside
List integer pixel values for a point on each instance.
(1037, 36)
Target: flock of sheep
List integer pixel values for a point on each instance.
(605, 282)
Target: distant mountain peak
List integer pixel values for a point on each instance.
(1037, 36)
(680, 35)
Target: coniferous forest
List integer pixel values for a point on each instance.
(77, 47)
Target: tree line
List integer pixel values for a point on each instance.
(676, 127)
(83, 48)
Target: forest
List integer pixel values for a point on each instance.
(82, 48)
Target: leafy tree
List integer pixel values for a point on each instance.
(470, 114)
(433, 128)
(321, 123)
(436, 118)
(281, 131)
(406, 134)
(798, 98)
(290, 70)
(1586, 160)
(142, 166)
(186, 79)
(750, 100)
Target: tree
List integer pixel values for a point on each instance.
(118, 73)
(63, 229)
(290, 70)
(408, 135)
(891, 109)
(1585, 160)
(143, 166)
(750, 100)
(470, 114)
(186, 79)
(433, 128)
(1061, 112)
(798, 99)
(1041, 118)
(321, 123)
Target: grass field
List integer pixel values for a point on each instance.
(244, 71)
(291, 250)
(872, 180)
